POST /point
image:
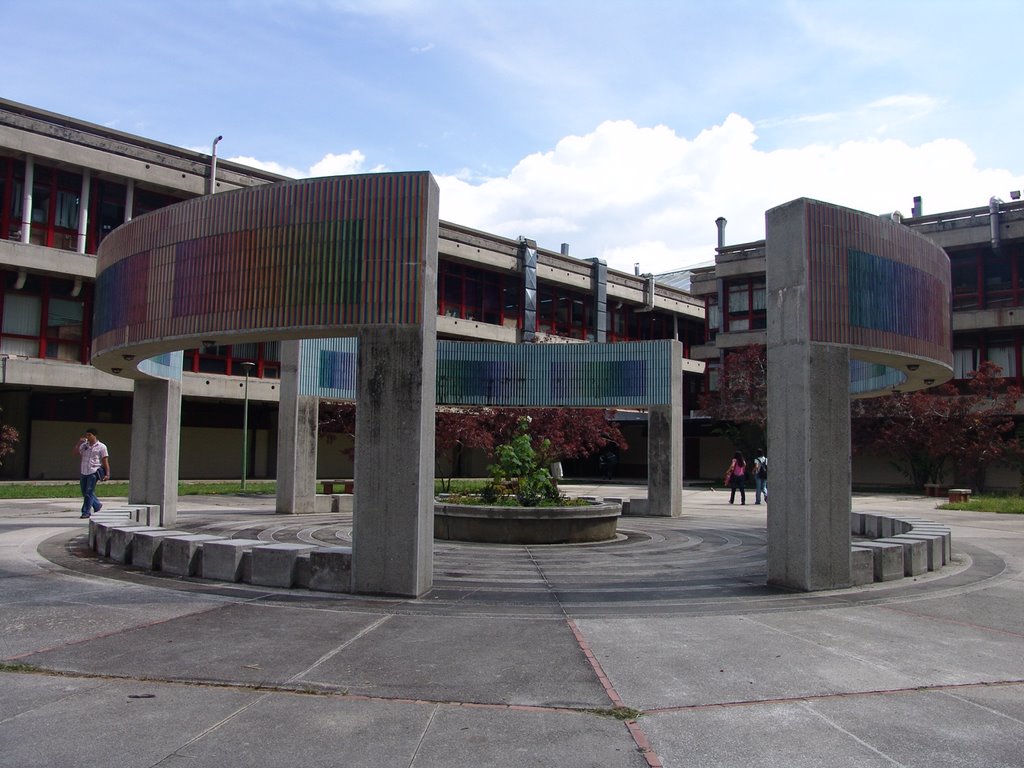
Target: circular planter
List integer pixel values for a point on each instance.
(526, 525)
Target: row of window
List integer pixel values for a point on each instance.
(984, 279)
(56, 199)
(472, 293)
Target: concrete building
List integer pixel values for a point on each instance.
(65, 184)
(985, 246)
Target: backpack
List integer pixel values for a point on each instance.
(762, 470)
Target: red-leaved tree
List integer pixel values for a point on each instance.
(740, 403)
(932, 432)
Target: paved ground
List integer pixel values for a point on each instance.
(520, 656)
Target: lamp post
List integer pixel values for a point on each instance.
(247, 366)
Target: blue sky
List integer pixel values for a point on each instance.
(621, 128)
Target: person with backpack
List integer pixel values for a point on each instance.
(760, 477)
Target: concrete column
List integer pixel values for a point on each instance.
(808, 424)
(298, 420)
(156, 428)
(26, 199)
(83, 209)
(393, 510)
(665, 447)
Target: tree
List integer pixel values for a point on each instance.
(740, 402)
(8, 439)
(931, 432)
(571, 433)
(458, 429)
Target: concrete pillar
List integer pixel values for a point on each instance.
(156, 428)
(26, 199)
(298, 420)
(808, 423)
(83, 210)
(665, 447)
(393, 511)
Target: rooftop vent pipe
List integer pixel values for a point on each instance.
(565, 249)
(721, 221)
(993, 222)
(917, 210)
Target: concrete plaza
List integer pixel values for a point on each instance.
(519, 656)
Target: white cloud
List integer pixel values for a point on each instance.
(629, 194)
(329, 165)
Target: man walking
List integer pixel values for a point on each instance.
(95, 468)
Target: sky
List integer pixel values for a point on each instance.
(624, 129)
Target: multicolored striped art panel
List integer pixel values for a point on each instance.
(317, 254)
(876, 285)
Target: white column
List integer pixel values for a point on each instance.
(83, 209)
(26, 200)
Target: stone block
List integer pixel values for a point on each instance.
(99, 536)
(229, 559)
(934, 547)
(873, 526)
(147, 547)
(119, 547)
(341, 503)
(915, 554)
(331, 569)
(147, 514)
(321, 504)
(273, 565)
(183, 555)
(939, 530)
(888, 526)
(856, 523)
(637, 507)
(862, 565)
(887, 560)
(302, 570)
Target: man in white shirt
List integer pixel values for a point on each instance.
(95, 468)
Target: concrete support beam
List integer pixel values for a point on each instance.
(809, 424)
(665, 447)
(298, 420)
(156, 427)
(393, 512)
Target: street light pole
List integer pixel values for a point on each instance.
(245, 422)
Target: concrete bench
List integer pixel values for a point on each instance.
(119, 538)
(229, 559)
(862, 565)
(275, 565)
(183, 555)
(887, 559)
(344, 486)
(915, 554)
(147, 547)
(330, 569)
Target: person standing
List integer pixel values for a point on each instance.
(760, 477)
(736, 478)
(95, 468)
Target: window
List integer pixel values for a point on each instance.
(964, 275)
(746, 302)
(42, 318)
(713, 318)
(477, 294)
(964, 362)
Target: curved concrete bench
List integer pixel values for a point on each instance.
(890, 547)
(261, 563)
(526, 525)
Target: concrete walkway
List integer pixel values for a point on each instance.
(520, 656)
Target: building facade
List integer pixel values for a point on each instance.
(985, 246)
(66, 184)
